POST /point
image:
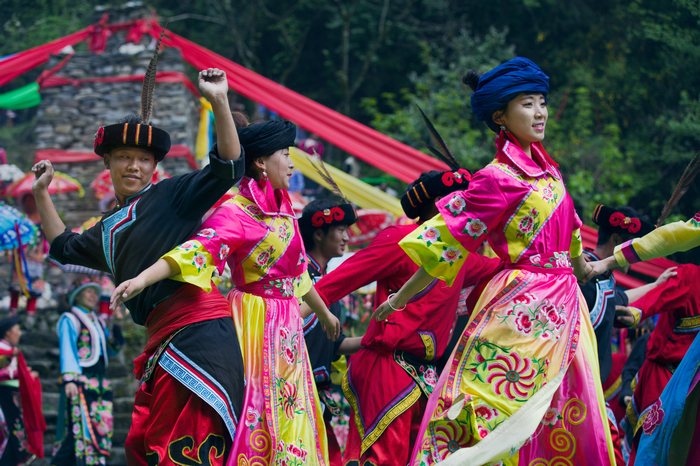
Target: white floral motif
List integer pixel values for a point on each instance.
(475, 228)
(207, 233)
(430, 235)
(450, 254)
(456, 205)
(224, 252)
(199, 261)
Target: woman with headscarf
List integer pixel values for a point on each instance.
(522, 386)
(257, 234)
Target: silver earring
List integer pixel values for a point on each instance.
(264, 173)
(503, 128)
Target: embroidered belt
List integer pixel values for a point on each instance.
(281, 288)
(556, 263)
(687, 325)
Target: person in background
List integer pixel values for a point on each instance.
(20, 443)
(604, 299)
(323, 226)
(84, 425)
(312, 146)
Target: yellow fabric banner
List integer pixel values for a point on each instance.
(364, 195)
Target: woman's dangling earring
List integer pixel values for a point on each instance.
(264, 174)
(503, 128)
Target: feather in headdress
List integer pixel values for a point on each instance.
(442, 152)
(688, 176)
(323, 173)
(149, 84)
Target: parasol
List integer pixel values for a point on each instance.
(103, 183)
(8, 235)
(369, 223)
(10, 173)
(61, 183)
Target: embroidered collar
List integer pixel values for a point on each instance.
(313, 263)
(5, 345)
(272, 202)
(511, 153)
(131, 199)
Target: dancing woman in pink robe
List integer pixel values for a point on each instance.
(522, 386)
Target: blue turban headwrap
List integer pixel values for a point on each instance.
(500, 85)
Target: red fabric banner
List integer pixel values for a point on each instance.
(385, 153)
(17, 64)
(68, 156)
(161, 77)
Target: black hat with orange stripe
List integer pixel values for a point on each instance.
(135, 130)
(423, 192)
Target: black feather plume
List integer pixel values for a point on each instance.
(442, 152)
(326, 176)
(687, 178)
(149, 84)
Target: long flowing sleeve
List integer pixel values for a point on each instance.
(442, 244)
(665, 240)
(68, 343)
(209, 248)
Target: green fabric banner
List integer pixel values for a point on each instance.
(24, 97)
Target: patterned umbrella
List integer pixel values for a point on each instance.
(8, 235)
(369, 223)
(61, 183)
(103, 183)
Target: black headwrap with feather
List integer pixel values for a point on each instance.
(139, 133)
(430, 185)
(263, 139)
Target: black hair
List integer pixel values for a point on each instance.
(605, 235)
(425, 207)
(132, 120)
(311, 208)
(471, 79)
(240, 119)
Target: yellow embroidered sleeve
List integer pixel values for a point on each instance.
(576, 248)
(433, 247)
(196, 264)
(302, 285)
(665, 240)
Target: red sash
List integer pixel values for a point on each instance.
(30, 395)
(188, 305)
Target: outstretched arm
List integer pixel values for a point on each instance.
(636, 293)
(329, 322)
(415, 284)
(51, 223)
(214, 86)
(164, 268)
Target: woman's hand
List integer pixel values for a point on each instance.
(385, 309)
(125, 291)
(330, 324)
(212, 83)
(43, 175)
(668, 273)
(71, 390)
(598, 268)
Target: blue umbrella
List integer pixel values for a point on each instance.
(8, 235)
